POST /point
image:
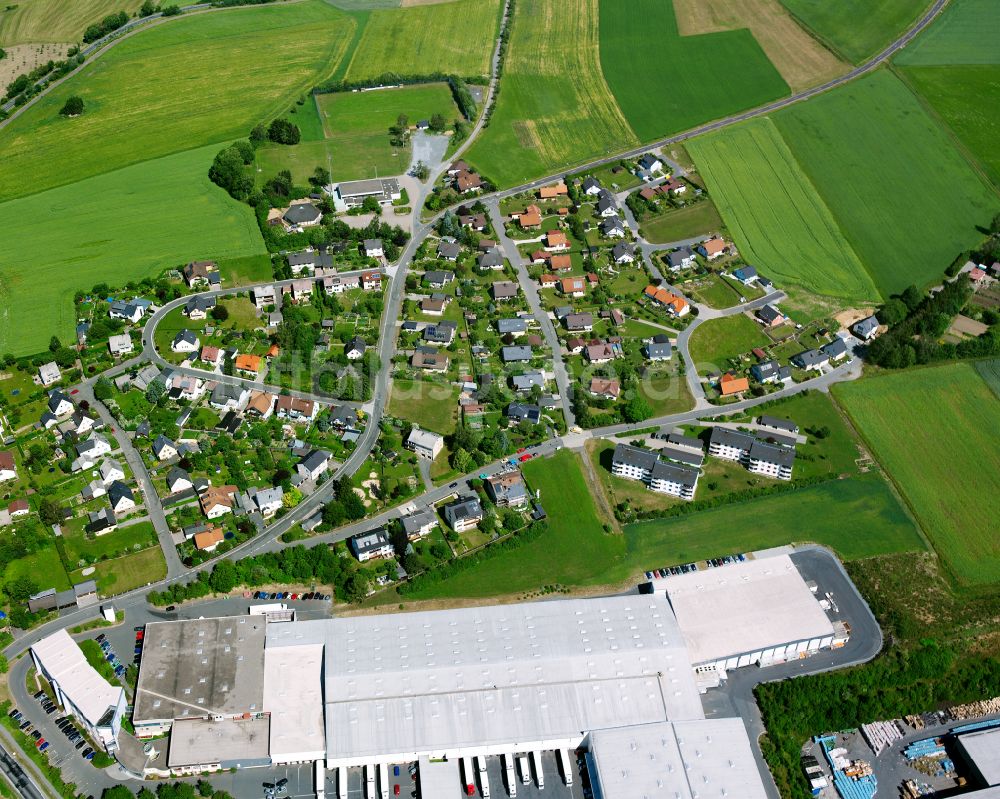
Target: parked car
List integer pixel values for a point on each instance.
(43, 746)
(36, 734)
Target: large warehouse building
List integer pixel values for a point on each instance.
(757, 612)
(616, 676)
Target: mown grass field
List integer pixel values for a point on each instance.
(555, 108)
(354, 133)
(36, 21)
(125, 225)
(966, 33)
(967, 98)
(775, 215)
(706, 77)
(929, 429)
(856, 28)
(186, 83)
(454, 38)
(574, 551)
(799, 57)
(123, 574)
(432, 406)
(878, 525)
(718, 340)
(990, 372)
(684, 223)
(906, 199)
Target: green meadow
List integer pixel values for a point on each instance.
(966, 33)
(704, 77)
(120, 226)
(907, 201)
(856, 29)
(774, 213)
(183, 84)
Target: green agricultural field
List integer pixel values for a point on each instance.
(575, 550)
(927, 428)
(856, 28)
(706, 77)
(125, 225)
(905, 198)
(187, 83)
(555, 108)
(714, 342)
(454, 38)
(990, 372)
(356, 133)
(775, 215)
(432, 406)
(967, 98)
(683, 223)
(966, 33)
(37, 21)
(878, 525)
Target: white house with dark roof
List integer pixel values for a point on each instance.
(48, 373)
(813, 360)
(372, 248)
(185, 341)
(866, 329)
(301, 215)
(371, 545)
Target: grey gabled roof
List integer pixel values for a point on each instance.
(301, 258)
(591, 183)
(175, 474)
(769, 313)
(663, 470)
(648, 161)
(515, 353)
(835, 349)
(224, 392)
(764, 368)
(634, 456)
(357, 343)
(677, 257)
(524, 412)
(448, 249)
(605, 201)
(161, 442)
(186, 336)
(780, 456)
(659, 349)
(491, 257)
(370, 541)
(315, 459)
(866, 325)
(778, 423)
(373, 244)
(612, 223)
(466, 508)
(415, 521)
(118, 490)
(622, 248)
(199, 303)
(511, 325)
(731, 438)
(439, 276)
(810, 358)
(528, 380)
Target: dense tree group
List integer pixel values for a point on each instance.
(111, 22)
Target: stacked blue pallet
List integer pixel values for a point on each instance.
(848, 788)
(977, 725)
(925, 748)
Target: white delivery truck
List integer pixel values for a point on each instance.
(484, 778)
(470, 776)
(369, 782)
(522, 764)
(383, 780)
(508, 767)
(342, 782)
(564, 764)
(536, 761)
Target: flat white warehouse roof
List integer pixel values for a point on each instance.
(983, 749)
(439, 681)
(65, 662)
(680, 760)
(293, 695)
(745, 607)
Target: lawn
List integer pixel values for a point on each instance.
(35, 21)
(555, 108)
(90, 234)
(856, 28)
(697, 219)
(704, 77)
(80, 547)
(966, 33)
(716, 341)
(43, 566)
(573, 551)
(967, 98)
(194, 81)
(453, 38)
(858, 145)
(432, 406)
(774, 214)
(356, 130)
(124, 574)
(666, 391)
(716, 291)
(926, 427)
(245, 270)
(878, 525)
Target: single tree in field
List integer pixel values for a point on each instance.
(73, 107)
(320, 177)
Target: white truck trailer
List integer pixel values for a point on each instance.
(484, 778)
(320, 780)
(565, 765)
(508, 767)
(383, 780)
(470, 776)
(369, 782)
(525, 769)
(536, 761)
(342, 782)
